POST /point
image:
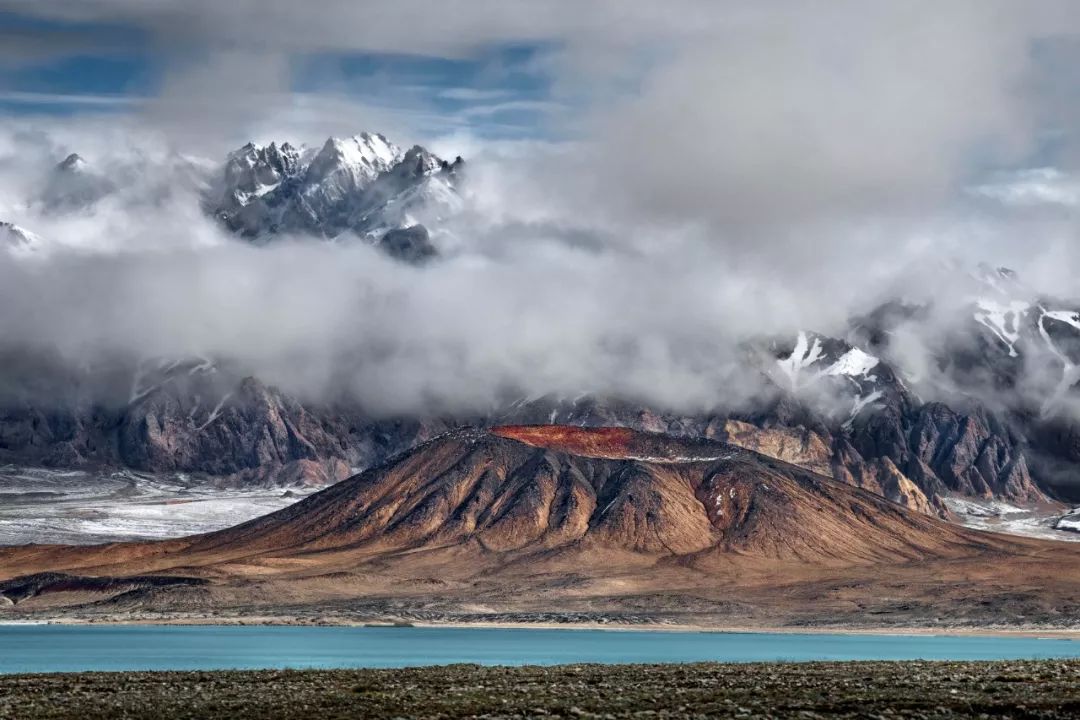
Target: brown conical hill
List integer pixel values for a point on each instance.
(537, 517)
(547, 487)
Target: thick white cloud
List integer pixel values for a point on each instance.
(736, 168)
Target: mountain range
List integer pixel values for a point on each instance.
(363, 185)
(989, 414)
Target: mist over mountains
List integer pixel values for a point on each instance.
(331, 307)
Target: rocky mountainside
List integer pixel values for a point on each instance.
(363, 185)
(558, 514)
(193, 416)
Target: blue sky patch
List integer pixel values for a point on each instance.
(502, 91)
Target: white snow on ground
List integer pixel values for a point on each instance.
(352, 162)
(681, 458)
(803, 356)
(1066, 316)
(862, 402)
(368, 150)
(1000, 517)
(49, 506)
(216, 412)
(1070, 523)
(982, 508)
(854, 363)
(1002, 319)
(1070, 372)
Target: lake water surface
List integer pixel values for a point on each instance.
(62, 648)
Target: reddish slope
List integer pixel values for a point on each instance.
(530, 487)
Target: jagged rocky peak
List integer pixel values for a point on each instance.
(74, 185)
(17, 239)
(72, 163)
(361, 186)
(362, 157)
(12, 232)
(253, 169)
(418, 162)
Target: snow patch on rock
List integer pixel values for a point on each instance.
(1003, 319)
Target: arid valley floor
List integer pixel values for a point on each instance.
(560, 525)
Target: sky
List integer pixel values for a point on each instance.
(649, 183)
(64, 64)
(516, 69)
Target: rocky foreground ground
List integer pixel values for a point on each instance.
(1029, 689)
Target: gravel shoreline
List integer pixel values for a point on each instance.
(1018, 689)
(414, 613)
(1050, 633)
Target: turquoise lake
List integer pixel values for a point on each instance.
(63, 648)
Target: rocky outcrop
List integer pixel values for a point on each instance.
(73, 185)
(190, 417)
(255, 433)
(17, 590)
(838, 460)
(972, 454)
(411, 244)
(798, 445)
(897, 487)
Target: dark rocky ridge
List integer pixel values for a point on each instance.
(19, 589)
(208, 418)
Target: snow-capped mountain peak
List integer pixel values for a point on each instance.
(418, 162)
(253, 170)
(854, 363)
(363, 185)
(360, 159)
(72, 163)
(75, 185)
(18, 240)
(850, 377)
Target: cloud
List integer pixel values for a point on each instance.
(453, 27)
(734, 170)
(40, 98)
(331, 320)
